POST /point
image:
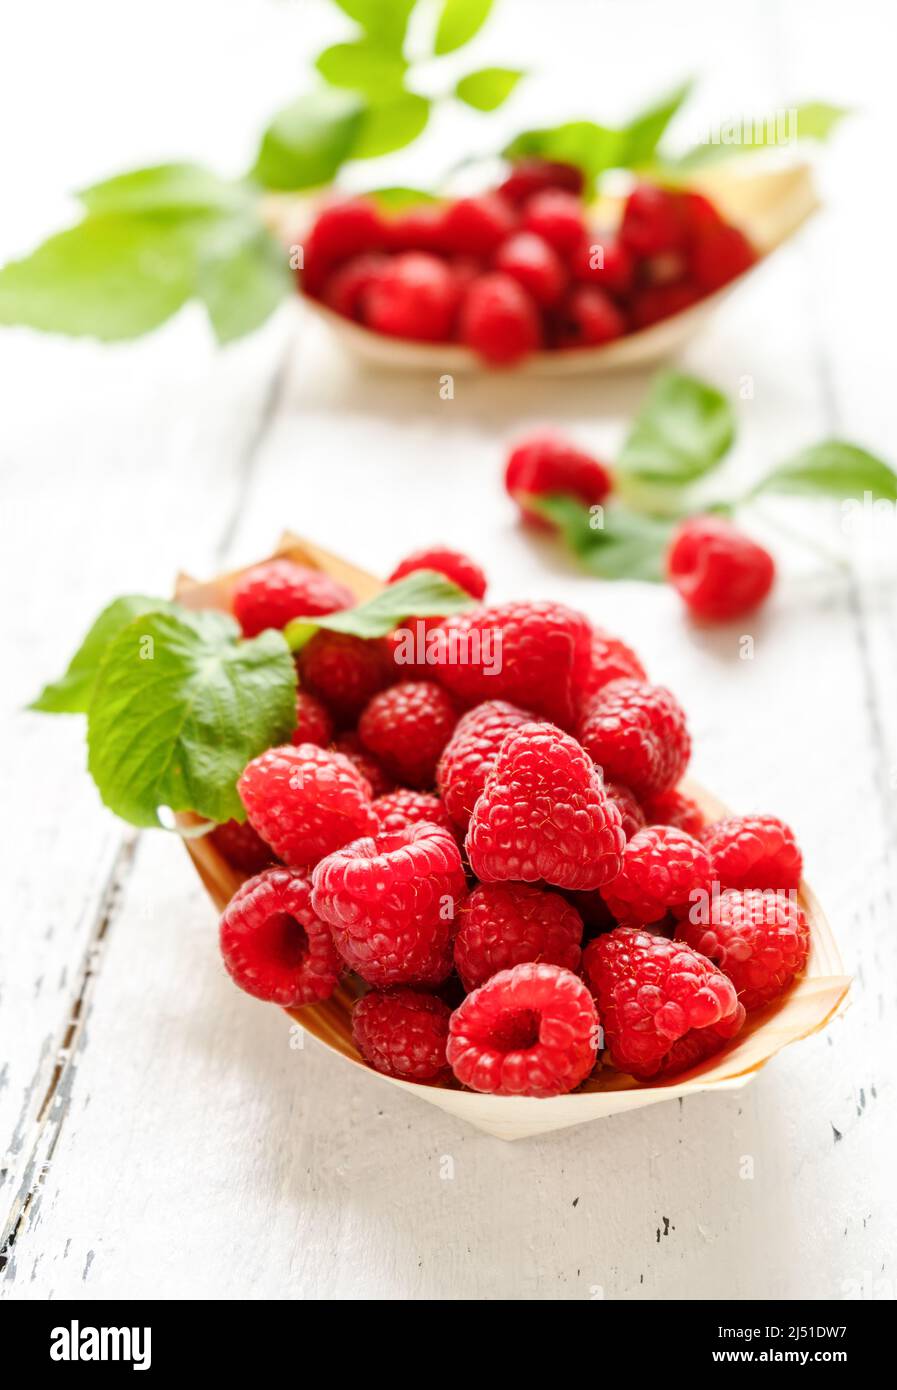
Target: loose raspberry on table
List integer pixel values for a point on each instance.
(273, 593)
(403, 1033)
(390, 901)
(545, 463)
(274, 945)
(399, 809)
(499, 320)
(544, 815)
(760, 939)
(345, 671)
(506, 924)
(305, 802)
(414, 296)
(371, 769)
(663, 870)
(719, 572)
(531, 176)
(663, 1006)
(530, 260)
(753, 852)
(456, 566)
(407, 727)
(631, 814)
(637, 733)
(529, 1031)
(242, 847)
(610, 660)
(588, 317)
(652, 221)
(677, 808)
(313, 722)
(477, 226)
(470, 754)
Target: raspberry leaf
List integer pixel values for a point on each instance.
(308, 140)
(832, 468)
(241, 278)
(487, 89)
(362, 67)
(71, 693)
(458, 22)
(681, 432)
(423, 594)
(389, 125)
(385, 23)
(399, 197)
(165, 188)
(612, 542)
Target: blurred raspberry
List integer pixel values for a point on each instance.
(499, 320)
(637, 734)
(603, 260)
(534, 264)
(657, 302)
(313, 722)
(652, 221)
(611, 660)
(399, 809)
(415, 296)
(753, 852)
(720, 256)
(531, 176)
(407, 727)
(305, 802)
(346, 228)
(470, 754)
(558, 218)
(416, 649)
(588, 317)
(371, 769)
(275, 592)
(761, 940)
(663, 870)
(344, 671)
(345, 290)
(505, 924)
(545, 463)
(273, 944)
(720, 572)
(477, 226)
(457, 567)
(631, 814)
(674, 808)
(403, 1033)
(420, 228)
(242, 847)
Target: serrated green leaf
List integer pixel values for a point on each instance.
(165, 188)
(423, 594)
(458, 22)
(390, 125)
(832, 468)
(398, 197)
(681, 432)
(642, 134)
(363, 67)
(612, 542)
(590, 147)
(815, 120)
(486, 89)
(242, 277)
(71, 693)
(180, 705)
(308, 140)
(384, 20)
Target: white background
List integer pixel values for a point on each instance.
(161, 1137)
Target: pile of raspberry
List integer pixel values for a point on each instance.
(499, 852)
(520, 268)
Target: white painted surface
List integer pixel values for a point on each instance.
(181, 1148)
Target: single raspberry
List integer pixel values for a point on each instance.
(420, 228)
(544, 815)
(417, 648)
(399, 809)
(499, 320)
(345, 290)
(588, 317)
(415, 296)
(275, 592)
(407, 727)
(470, 755)
(611, 660)
(403, 1033)
(505, 924)
(305, 802)
(545, 463)
(557, 217)
(534, 264)
(698, 215)
(529, 1031)
(457, 567)
(602, 260)
(760, 939)
(313, 722)
(720, 572)
(531, 176)
(631, 814)
(273, 944)
(663, 870)
(657, 302)
(344, 671)
(674, 808)
(477, 226)
(718, 257)
(532, 653)
(753, 852)
(637, 733)
(390, 902)
(663, 1006)
(371, 768)
(242, 847)
(652, 221)
(346, 228)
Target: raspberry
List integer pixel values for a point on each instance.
(531, 176)
(407, 727)
(390, 902)
(663, 871)
(242, 847)
(674, 808)
(305, 802)
(719, 256)
(416, 648)
(534, 264)
(587, 318)
(273, 944)
(544, 815)
(611, 660)
(420, 228)
(499, 320)
(658, 302)
(557, 217)
(415, 296)
(508, 924)
(529, 1031)
(313, 722)
(631, 814)
(344, 671)
(531, 652)
(477, 226)
(399, 809)
(720, 572)
(637, 733)
(345, 290)
(761, 940)
(345, 229)
(652, 221)
(371, 769)
(753, 852)
(275, 592)
(403, 1033)
(457, 567)
(470, 754)
(603, 260)
(545, 463)
(663, 1007)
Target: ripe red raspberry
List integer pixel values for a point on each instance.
(558, 218)
(534, 264)
(305, 802)
(544, 815)
(470, 754)
(761, 940)
(346, 228)
(345, 290)
(631, 814)
(457, 567)
(390, 902)
(664, 870)
(529, 1031)
(611, 660)
(371, 769)
(242, 847)
(344, 671)
(588, 317)
(416, 648)
(532, 653)
(663, 1006)
(674, 808)
(719, 256)
(603, 260)
(531, 176)
(275, 592)
(505, 924)
(407, 727)
(637, 733)
(720, 572)
(545, 463)
(657, 302)
(313, 722)
(399, 809)
(499, 320)
(652, 221)
(273, 944)
(420, 228)
(403, 1033)
(415, 296)
(477, 226)
(753, 852)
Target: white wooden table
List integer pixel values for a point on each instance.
(161, 1138)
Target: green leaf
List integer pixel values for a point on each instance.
(591, 147)
(308, 141)
(612, 542)
(487, 89)
(681, 432)
(243, 275)
(384, 20)
(390, 125)
(165, 188)
(642, 134)
(71, 693)
(813, 121)
(422, 594)
(832, 468)
(363, 67)
(180, 705)
(398, 197)
(458, 22)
